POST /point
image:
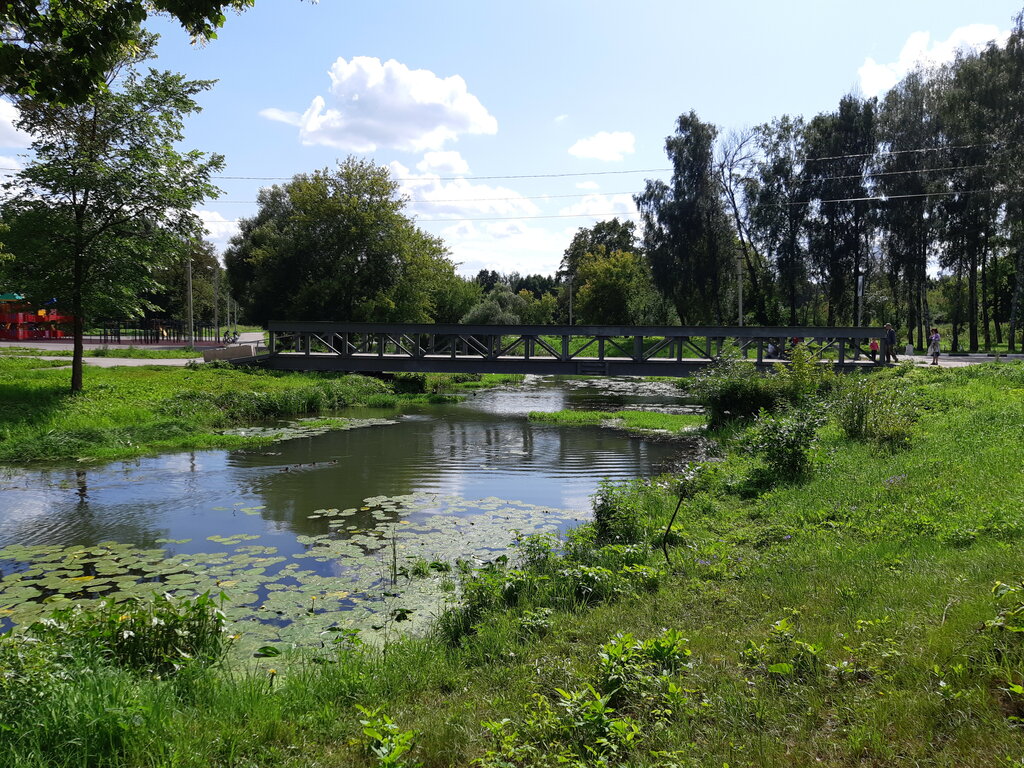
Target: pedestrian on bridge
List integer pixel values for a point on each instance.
(890, 344)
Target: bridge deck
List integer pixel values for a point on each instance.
(538, 349)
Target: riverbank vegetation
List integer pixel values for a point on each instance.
(640, 422)
(142, 410)
(841, 586)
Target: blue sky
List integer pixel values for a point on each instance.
(449, 92)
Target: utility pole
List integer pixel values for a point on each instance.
(739, 285)
(570, 300)
(860, 300)
(216, 303)
(188, 301)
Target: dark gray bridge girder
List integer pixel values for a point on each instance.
(597, 350)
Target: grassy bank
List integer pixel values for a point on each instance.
(127, 412)
(641, 422)
(138, 353)
(836, 610)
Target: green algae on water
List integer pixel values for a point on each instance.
(348, 577)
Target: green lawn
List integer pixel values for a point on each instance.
(126, 412)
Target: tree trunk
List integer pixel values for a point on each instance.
(77, 324)
(957, 310)
(1018, 289)
(985, 308)
(972, 301)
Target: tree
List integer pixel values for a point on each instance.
(454, 296)
(1012, 79)
(336, 245)
(737, 168)
(614, 289)
(61, 50)
(612, 235)
(839, 148)
(106, 197)
(170, 299)
(778, 212)
(487, 279)
(499, 307)
(687, 238)
(908, 126)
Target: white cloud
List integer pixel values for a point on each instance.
(9, 135)
(525, 246)
(219, 229)
(448, 163)
(561, 118)
(601, 206)
(432, 198)
(506, 246)
(877, 78)
(373, 104)
(605, 146)
(587, 185)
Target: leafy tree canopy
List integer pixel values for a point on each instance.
(61, 50)
(687, 237)
(612, 235)
(499, 307)
(616, 289)
(107, 198)
(336, 245)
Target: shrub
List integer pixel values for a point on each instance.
(803, 379)
(874, 409)
(588, 585)
(618, 516)
(784, 441)
(732, 389)
(535, 551)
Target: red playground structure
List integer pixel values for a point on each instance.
(19, 322)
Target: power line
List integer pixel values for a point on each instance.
(631, 193)
(471, 178)
(886, 153)
(881, 198)
(886, 198)
(578, 174)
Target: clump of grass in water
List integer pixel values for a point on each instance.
(159, 636)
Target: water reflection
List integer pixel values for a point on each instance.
(482, 448)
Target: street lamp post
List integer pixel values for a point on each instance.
(739, 285)
(570, 300)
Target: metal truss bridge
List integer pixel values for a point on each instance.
(591, 350)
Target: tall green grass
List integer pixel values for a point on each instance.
(130, 411)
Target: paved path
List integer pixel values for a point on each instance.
(116, 362)
(43, 347)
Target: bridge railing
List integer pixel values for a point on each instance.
(579, 343)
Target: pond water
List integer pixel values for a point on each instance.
(322, 531)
